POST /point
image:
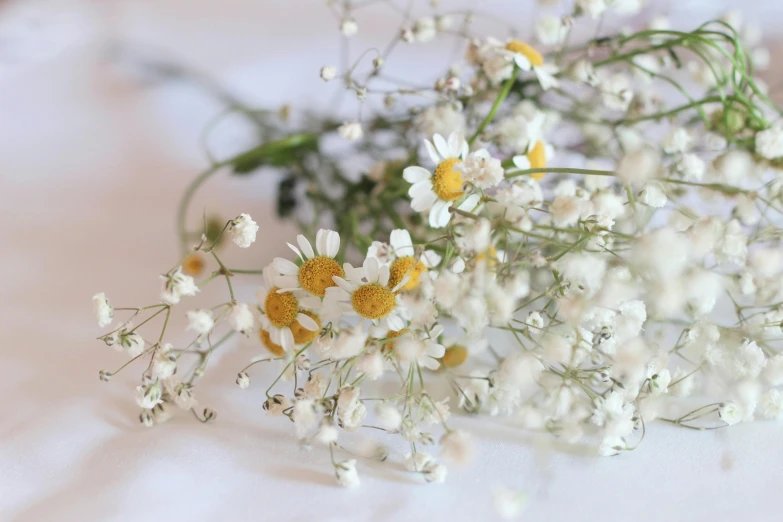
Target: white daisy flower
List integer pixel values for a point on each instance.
(315, 274)
(282, 314)
(436, 191)
(403, 262)
(366, 292)
(527, 58)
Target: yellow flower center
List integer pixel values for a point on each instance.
(315, 275)
(537, 159)
(454, 356)
(373, 301)
(266, 340)
(301, 334)
(403, 266)
(388, 346)
(281, 309)
(447, 180)
(533, 56)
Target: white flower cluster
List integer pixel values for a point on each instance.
(585, 299)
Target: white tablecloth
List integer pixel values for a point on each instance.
(92, 164)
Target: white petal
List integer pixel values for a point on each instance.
(371, 267)
(342, 283)
(436, 331)
(400, 240)
(286, 339)
(354, 275)
(435, 210)
(332, 243)
(285, 266)
(383, 275)
(424, 201)
(402, 283)
(429, 363)
(296, 250)
(320, 241)
(482, 153)
(522, 62)
(305, 245)
(395, 323)
(521, 162)
(274, 334)
(470, 203)
(422, 187)
(455, 145)
(415, 174)
(311, 303)
(465, 149)
(459, 266)
(307, 322)
(431, 152)
(430, 258)
(442, 146)
(287, 282)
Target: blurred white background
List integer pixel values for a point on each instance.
(93, 158)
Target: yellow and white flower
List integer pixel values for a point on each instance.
(527, 58)
(402, 260)
(366, 292)
(537, 156)
(436, 191)
(315, 274)
(282, 312)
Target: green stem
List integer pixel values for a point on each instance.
(501, 96)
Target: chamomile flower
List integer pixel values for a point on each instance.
(435, 191)
(366, 292)
(527, 58)
(282, 314)
(315, 274)
(536, 157)
(405, 263)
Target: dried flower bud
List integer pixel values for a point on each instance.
(302, 362)
(104, 375)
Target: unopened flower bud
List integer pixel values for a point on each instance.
(104, 375)
(146, 418)
(302, 362)
(243, 380)
(209, 414)
(328, 72)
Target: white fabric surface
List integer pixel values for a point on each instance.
(92, 165)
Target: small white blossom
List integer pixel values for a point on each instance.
(593, 8)
(653, 195)
(243, 231)
(200, 321)
(243, 380)
(388, 416)
(351, 130)
(328, 72)
(164, 363)
(349, 27)
(241, 318)
(769, 142)
(346, 474)
(103, 310)
(772, 404)
(730, 413)
(133, 343)
(149, 396)
(177, 285)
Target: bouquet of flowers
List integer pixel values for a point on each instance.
(582, 234)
